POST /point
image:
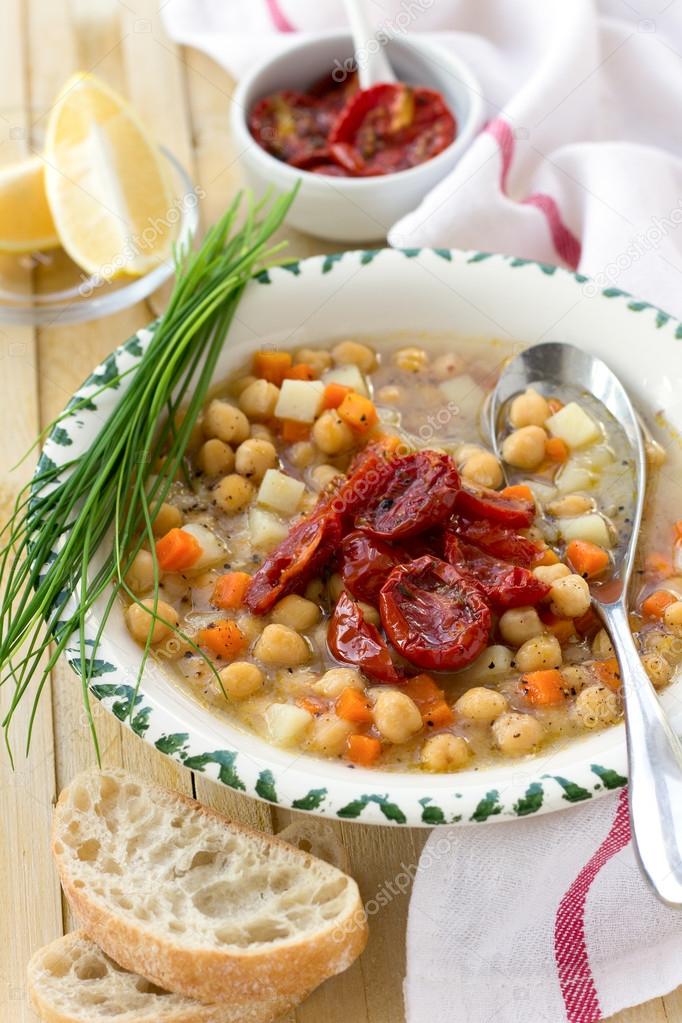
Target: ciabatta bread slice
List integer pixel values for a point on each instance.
(317, 838)
(73, 981)
(202, 906)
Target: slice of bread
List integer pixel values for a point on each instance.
(73, 981)
(316, 838)
(199, 905)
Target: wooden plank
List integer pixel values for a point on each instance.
(29, 893)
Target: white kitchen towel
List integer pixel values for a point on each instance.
(581, 160)
(541, 920)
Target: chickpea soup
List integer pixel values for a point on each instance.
(343, 570)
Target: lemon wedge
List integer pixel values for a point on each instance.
(106, 185)
(26, 224)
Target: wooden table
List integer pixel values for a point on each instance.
(184, 97)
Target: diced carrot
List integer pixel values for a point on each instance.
(292, 431)
(586, 558)
(543, 688)
(301, 371)
(556, 449)
(312, 704)
(519, 492)
(363, 750)
(658, 564)
(555, 405)
(358, 412)
(230, 590)
(438, 714)
(422, 689)
(353, 705)
(334, 395)
(271, 366)
(562, 628)
(223, 638)
(608, 673)
(177, 550)
(656, 603)
(547, 557)
(588, 624)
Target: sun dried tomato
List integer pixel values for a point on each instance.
(366, 564)
(504, 585)
(419, 494)
(475, 502)
(433, 615)
(310, 544)
(291, 126)
(498, 541)
(355, 641)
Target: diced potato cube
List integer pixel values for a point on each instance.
(573, 478)
(212, 550)
(574, 426)
(287, 724)
(280, 492)
(299, 400)
(349, 376)
(266, 529)
(464, 392)
(590, 527)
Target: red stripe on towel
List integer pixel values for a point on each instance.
(570, 949)
(279, 18)
(565, 242)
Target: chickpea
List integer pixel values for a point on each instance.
(324, 475)
(331, 434)
(657, 668)
(447, 366)
(570, 596)
(225, 422)
(334, 681)
(335, 587)
(254, 457)
(396, 716)
(296, 612)
(672, 616)
(596, 706)
(481, 704)
(314, 590)
(411, 360)
(139, 618)
(576, 677)
(258, 400)
(233, 493)
(520, 624)
(317, 358)
(140, 575)
(369, 613)
(302, 454)
(570, 505)
(167, 517)
(549, 573)
(241, 384)
(529, 409)
(351, 353)
(466, 451)
(280, 645)
(215, 458)
(444, 752)
(241, 679)
(516, 733)
(390, 394)
(483, 468)
(539, 653)
(525, 448)
(601, 646)
(262, 432)
(329, 735)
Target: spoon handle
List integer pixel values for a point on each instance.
(655, 766)
(371, 60)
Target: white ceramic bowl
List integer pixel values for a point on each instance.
(354, 209)
(318, 301)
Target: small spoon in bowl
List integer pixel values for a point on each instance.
(654, 750)
(370, 56)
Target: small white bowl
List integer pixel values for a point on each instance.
(354, 209)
